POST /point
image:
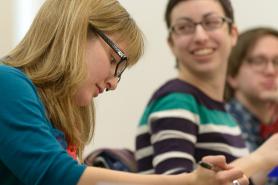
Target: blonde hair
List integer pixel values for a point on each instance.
(52, 56)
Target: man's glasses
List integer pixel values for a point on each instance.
(260, 63)
(186, 26)
(122, 64)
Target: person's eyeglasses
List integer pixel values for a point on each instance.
(122, 64)
(260, 63)
(186, 26)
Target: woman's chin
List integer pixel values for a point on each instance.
(85, 101)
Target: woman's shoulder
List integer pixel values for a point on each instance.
(15, 81)
(180, 92)
(174, 94)
(9, 72)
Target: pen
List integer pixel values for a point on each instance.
(209, 166)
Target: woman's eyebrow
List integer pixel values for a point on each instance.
(190, 19)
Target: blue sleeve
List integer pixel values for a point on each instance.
(28, 149)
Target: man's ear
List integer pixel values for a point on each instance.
(232, 81)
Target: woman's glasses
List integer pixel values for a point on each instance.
(122, 64)
(186, 26)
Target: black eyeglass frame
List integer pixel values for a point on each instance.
(263, 62)
(202, 23)
(118, 51)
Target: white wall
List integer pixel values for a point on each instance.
(6, 26)
(15, 18)
(118, 112)
(24, 12)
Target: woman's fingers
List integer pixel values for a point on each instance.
(218, 161)
(222, 173)
(242, 181)
(230, 175)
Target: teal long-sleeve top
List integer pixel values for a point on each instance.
(30, 154)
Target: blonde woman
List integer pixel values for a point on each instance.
(74, 51)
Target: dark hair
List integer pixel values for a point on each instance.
(226, 5)
(246, 42)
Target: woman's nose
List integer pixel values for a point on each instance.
(112, 83)
(200, 34)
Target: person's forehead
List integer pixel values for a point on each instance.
(267, 44)
(196, 8)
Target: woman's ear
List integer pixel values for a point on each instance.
(234, 34)
(170, 42)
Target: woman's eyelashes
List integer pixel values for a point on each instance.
(113, 60)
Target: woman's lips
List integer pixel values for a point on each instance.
(100, 90)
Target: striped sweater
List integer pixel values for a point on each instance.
(180, 125)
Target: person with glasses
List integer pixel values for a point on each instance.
(252, 85)
(73, 51)
(185, 118)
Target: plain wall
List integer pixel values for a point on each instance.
(118, 112)
(6, 26)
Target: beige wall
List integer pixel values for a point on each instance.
(6, 26)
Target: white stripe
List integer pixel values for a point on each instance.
(238, 152)
(172, 171)
(144, 152)
(142, 129)
(176, 113)
(162, 157)
(172, 134)
(223, 129)
(147, 172)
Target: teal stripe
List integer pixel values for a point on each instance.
(169, 102)
(187, 102)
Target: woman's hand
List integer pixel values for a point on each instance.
(220, 174)
(267, 153)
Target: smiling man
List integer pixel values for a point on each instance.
(252, 88)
